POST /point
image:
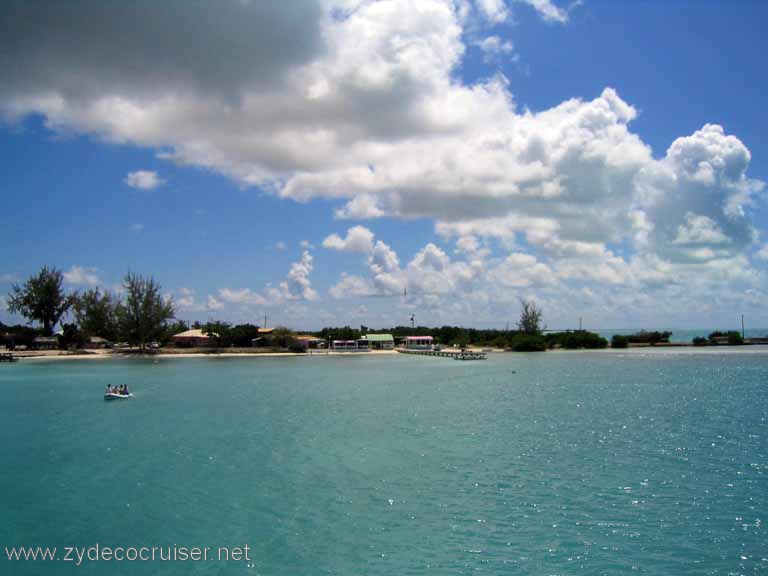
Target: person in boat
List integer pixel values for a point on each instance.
(108, 390)
(125, 389)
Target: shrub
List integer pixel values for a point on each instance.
(529, 343)
(733, 338)
(651, 338)
(700, 341)
(619, 341)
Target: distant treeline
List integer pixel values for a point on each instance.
(459, 337)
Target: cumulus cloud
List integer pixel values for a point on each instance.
(284, 101)
(493, 47)
(548, 10)
(143, 180)
(80, 276)
(296, 287)
(358, 239)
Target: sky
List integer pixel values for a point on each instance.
(333, 162)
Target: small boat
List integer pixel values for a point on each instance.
(114, 396)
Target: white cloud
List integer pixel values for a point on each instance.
(362, 207)
(572, 186)
(213, 303)
(241, 296)
(136, 227)
(548, 10)
(358, 239)
(296, 287)
(143, 180)
(493, 47)
(79, 276)
(494, 10)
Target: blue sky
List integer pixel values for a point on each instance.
(349, 161)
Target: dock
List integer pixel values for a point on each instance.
(460, 355)
(7, 357)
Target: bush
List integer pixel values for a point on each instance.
(575, 340)
(651, 338)
(700, 341)
(296, 346)
(733, 338)
(619, 341)
(529, 343)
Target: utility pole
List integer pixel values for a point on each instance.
(265, 320)
(579, 323)
(742, 327)
(413, 318)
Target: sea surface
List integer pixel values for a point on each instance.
(637, 462)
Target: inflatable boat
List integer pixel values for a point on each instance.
(114, 396)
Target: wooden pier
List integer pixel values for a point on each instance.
(7, 357)
(456, 355)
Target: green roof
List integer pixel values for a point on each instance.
(379, 337)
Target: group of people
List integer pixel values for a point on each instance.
(122, 390)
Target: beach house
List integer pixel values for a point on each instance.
(419, 342)
(380, 341)
(45, 343)
(194, 339)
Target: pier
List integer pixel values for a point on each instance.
(456, 355)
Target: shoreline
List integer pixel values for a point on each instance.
(55, 355)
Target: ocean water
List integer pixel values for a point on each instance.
(647, 462)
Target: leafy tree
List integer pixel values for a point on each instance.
(144, 313)
(71, 337)
(575, 340)
(734, 338)
(700, 341)
(221, 331)
(173, 328)
(619, 341)
(96, 314)
(41, 299)
(530, 318)
(529, 343)
(243, 334)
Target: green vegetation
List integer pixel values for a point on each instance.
(619, 341)
(41, 299)
(96, 314)
(700, 341)
(528, 343)
(575, 340)
(651, 338)
(530, 318)
(143, 316)
(731, 338)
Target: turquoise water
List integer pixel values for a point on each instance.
(557, 463)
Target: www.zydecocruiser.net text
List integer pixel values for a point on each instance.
(78, 555)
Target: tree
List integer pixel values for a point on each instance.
(144, 313)
(41, 299)
(530, 318)
(96, 314)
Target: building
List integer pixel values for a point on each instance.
(194, 339)
(97, 343)
(264, 338)
(344, 345)
(419, 342)
(380, 341)
(310, 342)
(46, 343)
